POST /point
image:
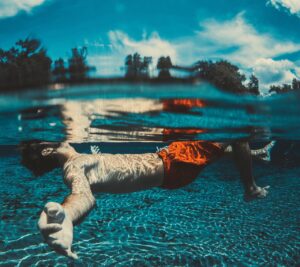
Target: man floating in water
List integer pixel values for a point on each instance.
(171, 167)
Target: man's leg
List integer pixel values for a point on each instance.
(243, 159)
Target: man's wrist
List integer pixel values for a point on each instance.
(68, 212)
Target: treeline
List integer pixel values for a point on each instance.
(222, 74)
(76, 69)
(27, 64)
(295, 86)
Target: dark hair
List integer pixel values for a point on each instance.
(32, 158)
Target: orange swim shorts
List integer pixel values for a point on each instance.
(183, 161)
(182, 105)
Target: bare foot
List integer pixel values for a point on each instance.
(257, 192)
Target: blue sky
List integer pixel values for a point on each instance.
(260, 36)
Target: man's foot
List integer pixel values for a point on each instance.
(266, 155)
(257, 192)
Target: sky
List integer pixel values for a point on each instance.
(262, 37)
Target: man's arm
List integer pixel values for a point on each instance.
(76, 206)
(243, 159)
(81, 200)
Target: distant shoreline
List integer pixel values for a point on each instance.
(116, 80)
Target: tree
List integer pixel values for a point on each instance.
(24, 65)
(59, 71)
(133, 65)
(285, 88)
(253, 85)
(136, 64)
(28, 46)
(222, 74)
(129, 67)
(296, 84)
(280, 89)
(145, 68)
(78, 68)
(137, 67)
(163, 65)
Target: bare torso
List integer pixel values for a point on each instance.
(116, 173)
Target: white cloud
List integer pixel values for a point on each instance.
(246, 43)
(9, 8)
(110, 61)
(151, 45)
(292, 5)
(235, 40)
(271, 72)
(239, 42)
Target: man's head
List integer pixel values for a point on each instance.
(39, 157)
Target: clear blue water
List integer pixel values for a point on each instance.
(206, 223)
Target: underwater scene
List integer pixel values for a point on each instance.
(206, 223)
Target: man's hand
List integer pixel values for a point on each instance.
(47, 228)
(256, 192)
(58, 236)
